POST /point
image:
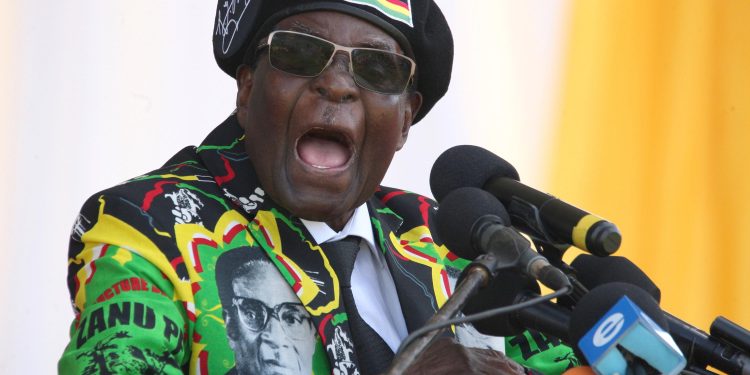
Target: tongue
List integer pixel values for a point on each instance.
(321, 152)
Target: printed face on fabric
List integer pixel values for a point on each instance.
(269, 330)
(321, 145)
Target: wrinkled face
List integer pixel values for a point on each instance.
(270, 350)
(322, 145)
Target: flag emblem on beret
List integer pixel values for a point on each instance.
(399, 10)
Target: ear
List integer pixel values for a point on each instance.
(230, 327)
(414, 102)
(244, 77)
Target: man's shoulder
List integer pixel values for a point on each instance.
(411, 208)
(402, 199)
(190, 188)
(187, 168)
(183, 168)
(179, 192)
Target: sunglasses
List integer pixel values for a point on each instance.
(254, 315)
(305, 55)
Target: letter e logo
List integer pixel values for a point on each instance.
(608, 329)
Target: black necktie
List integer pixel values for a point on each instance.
(373, 354)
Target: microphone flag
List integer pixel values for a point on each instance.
(626, 326)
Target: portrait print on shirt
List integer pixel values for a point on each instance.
(267, 327)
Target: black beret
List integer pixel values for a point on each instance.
(417, 25)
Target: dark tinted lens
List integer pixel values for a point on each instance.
(252, 313)
(381, 71)
(299, 54)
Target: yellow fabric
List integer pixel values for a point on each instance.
(654, 136)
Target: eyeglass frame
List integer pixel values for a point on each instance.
(266, 42)
(270, 312)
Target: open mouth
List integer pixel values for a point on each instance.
(324, 149)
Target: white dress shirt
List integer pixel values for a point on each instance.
(372, 285)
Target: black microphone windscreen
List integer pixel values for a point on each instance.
(466, 165)
(503, 290)
(593, 271)
(458, 213)
(595, 304)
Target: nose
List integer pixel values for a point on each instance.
(336, 82)
(273, 333)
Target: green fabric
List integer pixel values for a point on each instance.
(129, 312)
(542, 353)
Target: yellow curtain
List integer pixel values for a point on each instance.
(654, 135)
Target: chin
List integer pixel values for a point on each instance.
(319, 206)
(323, 213)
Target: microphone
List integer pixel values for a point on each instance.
(510, 288)
(593, 271)
(732, 333)
(530, 210)
(472, 222)
(700, 348)
(620, 329)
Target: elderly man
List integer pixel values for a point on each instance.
(327, 93)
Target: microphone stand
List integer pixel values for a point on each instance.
(731, 333)
(477, 275)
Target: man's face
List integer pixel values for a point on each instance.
(322, 145)
(272, 349)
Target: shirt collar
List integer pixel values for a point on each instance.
(358, 225)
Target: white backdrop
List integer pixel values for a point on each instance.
(96, 92)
